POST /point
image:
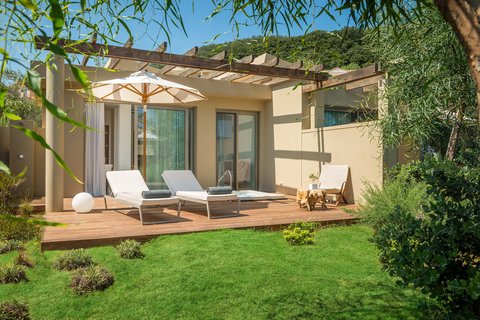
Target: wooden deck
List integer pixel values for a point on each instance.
(102, 227)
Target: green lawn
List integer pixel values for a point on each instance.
(232, 274)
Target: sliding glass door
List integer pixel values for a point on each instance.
(237, 148)
(168, 143)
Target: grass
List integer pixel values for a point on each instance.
(232, 274)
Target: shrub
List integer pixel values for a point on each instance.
(130, 249)
(12, 274)
(399, 191)
(10, 245)
(23, 260)
(8, 200)
(300, 233)
(14, 310)
(91, 279)
(73, 259)
(25, 207)
(438, 250)
(17, 229)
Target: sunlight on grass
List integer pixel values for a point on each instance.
(235, 274)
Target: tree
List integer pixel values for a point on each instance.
(17, 105)
(462, 15)
(337, 48)
(431, 89)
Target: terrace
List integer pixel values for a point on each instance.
(108, 227)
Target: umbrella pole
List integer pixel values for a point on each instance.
(145, 141)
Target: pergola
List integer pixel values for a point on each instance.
(266, 70)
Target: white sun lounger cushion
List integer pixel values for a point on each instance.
(127, 185)
(126, 181)
(184, 184)
(181, 180)
(137, 200)
(204, 196)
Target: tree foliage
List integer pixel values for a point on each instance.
(17, 104)
(435, 245)
(339, 48)
(429, 82)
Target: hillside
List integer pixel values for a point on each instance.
(341, 48)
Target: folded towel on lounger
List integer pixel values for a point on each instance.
(219, 190)
(155, 194)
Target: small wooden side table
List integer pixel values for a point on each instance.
(309, 198)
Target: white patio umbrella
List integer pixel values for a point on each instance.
(145, 88)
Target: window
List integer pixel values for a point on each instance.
(336, 115)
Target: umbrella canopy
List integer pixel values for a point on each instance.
(144, 88)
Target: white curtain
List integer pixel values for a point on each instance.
(95, 149)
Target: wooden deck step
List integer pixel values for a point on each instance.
(109, 227)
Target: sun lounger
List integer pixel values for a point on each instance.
(184, 185)
(127, 186)
(333, 179)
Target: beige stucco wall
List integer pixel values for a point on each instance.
(287, 154)
(298, 153)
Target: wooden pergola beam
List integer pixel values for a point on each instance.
(161, 48)
(364, 82)
(364, 73)
(191, 71)
(115, 61)
(85, 58)
(247, 59)
(192, 52)
(263, 79)
(271, 61)
(125, 53)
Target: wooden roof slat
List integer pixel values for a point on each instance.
(367, 72)
(85, 58)
(275, 81)
(263, 60)
(263, 79)
(192, 52)
(178, 60)
(247, 59)
(191, 71)
(161, 48)
(113, 62)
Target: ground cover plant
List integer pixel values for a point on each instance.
(12, 273)
(130, 249)
(90, 279)
(23, 260)
(10, 245)
(14, 310)
(73, 259)
(234, 274)
(300, 233)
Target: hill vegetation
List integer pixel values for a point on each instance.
(346, 48)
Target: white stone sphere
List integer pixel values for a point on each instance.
(83, 202)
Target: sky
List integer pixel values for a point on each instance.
(200, 31)
(219, 29)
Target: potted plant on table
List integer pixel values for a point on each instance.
(314, 179)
